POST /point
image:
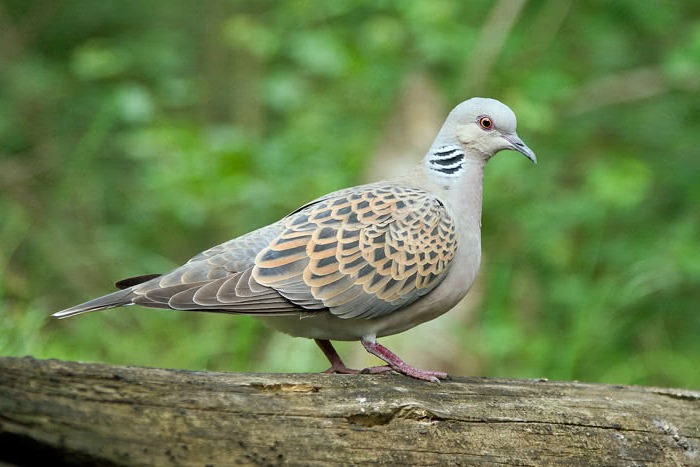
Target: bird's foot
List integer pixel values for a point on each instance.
(337, 365)
(398, 365)
(394, 363)
(341, 370)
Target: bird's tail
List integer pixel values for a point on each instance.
(113, 300)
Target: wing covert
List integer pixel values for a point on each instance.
(362, 252)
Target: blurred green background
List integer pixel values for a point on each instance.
(135, 134)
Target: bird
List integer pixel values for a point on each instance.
(356, 264)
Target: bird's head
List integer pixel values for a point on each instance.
(480, 128)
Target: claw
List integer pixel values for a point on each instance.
(341, 370)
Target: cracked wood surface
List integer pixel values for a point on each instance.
(85, 414)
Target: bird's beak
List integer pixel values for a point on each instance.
(516, 144)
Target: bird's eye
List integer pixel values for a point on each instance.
(485, 122)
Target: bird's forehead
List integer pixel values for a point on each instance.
(469, 110)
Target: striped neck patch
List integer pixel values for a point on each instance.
(447, 161)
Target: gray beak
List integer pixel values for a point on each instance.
(516, 144)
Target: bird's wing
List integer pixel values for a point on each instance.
(218, 279)
(362, 252)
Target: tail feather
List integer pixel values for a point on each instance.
(113, 300)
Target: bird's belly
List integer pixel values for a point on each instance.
(320, 325)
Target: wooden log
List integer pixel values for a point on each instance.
(84, 414)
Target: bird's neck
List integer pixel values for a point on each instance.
(465, 193)
(458, 179)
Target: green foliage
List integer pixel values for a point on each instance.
(133, 137)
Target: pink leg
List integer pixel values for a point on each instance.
(399, 365)
(337, 365)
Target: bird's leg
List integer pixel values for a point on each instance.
(399, 365)
(337, 365)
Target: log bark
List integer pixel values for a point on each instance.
(85, 414)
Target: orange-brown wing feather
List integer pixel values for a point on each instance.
(362, 252)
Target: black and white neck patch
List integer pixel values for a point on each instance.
(447, 160)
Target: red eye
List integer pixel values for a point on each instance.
(485, 122)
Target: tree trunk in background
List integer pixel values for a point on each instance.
(233, 75)
(70, 413)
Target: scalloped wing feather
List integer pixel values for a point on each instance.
(363, 252)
